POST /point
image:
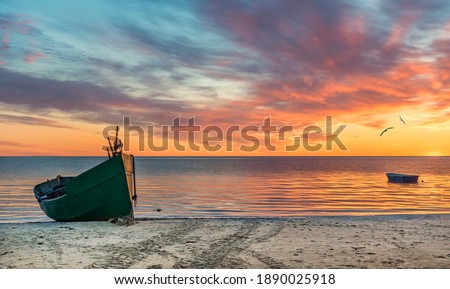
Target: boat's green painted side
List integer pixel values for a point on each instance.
(98, 194)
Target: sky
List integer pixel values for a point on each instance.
(68, 69)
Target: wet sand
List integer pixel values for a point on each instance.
(316, 242)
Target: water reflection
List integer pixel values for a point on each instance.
(248, 187)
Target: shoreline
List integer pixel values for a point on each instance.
(382, 241)
(343, 217)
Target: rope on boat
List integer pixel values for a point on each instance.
(134, 197)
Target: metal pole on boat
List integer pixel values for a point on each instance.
(110, 146)
(109, 156)
(115, 140)
(134, 197)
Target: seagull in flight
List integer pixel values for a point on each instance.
(386, 130)
(402, 119)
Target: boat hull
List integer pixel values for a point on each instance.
(401, 178)
(99, 194)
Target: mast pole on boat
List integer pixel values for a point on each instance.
(115, 140)
(134, 197)
(110, 146)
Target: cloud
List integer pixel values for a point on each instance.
(81, 100)
(5, 40)
(180, 48)
(378, 124)
(308, 37)
(14, 144)
(32, 57)
(31, 120)
(339, 57)
(228, 61)
(20, 28)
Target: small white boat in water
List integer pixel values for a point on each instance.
(401, 178)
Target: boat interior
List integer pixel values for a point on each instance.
(51, 189)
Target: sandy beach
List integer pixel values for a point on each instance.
(316, 242)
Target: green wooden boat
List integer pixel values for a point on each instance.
(104, 192)
(101, 193)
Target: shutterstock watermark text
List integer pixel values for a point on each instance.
(188, 136)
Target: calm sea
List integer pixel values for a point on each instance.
(247, 186)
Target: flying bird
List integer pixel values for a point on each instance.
(402, 119)
(386, 130)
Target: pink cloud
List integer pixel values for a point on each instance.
(324, 57)
(30, 58)
(5, 39)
